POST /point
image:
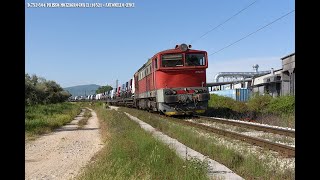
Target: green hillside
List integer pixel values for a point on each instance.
(82, 90)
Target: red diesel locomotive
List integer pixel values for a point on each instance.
(172, 82)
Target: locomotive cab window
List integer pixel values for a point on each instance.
(195, 60)
(156, 63)
(172, 60)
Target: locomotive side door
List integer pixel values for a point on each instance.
(136, 85)
(146, 79)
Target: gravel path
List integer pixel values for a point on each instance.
(62, 154)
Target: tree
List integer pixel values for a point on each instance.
(103, 89)
(40, 91)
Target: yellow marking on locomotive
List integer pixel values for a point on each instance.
(200, 111)
(178, 113)
(170, 113)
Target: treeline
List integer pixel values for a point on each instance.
(103, 89)
(41, 91)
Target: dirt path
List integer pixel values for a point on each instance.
(62, 154)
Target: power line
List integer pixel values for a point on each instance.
(253, 32)
(224, 21)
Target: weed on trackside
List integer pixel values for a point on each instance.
(132, 153)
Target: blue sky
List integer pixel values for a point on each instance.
(76, 46)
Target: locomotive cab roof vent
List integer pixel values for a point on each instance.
(183, 47)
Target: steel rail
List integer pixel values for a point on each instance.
(288, 151)
(286, 132)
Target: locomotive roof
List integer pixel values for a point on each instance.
(176, 50)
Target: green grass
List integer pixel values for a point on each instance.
(279, 111)
(41, 119)
(84, 120)
(222, 102)
(106, 106)
(132, 153)
(248, 165)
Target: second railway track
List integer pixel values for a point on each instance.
(283, 149)
(270, 129)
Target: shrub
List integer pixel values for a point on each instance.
(259, 103)
(217, 101)
(262, 108)
(282, 105)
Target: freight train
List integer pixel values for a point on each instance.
(172, 82)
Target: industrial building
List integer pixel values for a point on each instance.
(274, 82)
(278, 82)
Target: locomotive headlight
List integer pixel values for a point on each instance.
(174, 92)
(196, 90)
(168, 92)
(183, 47)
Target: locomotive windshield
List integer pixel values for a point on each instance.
(172, 60)
(195, 60)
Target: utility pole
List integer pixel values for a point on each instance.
(116, 85)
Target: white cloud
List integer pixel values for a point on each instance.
(242, 65)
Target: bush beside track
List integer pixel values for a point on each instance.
(264, 109)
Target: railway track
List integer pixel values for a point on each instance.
(288, 151)
(269, 129)
(285, 150)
